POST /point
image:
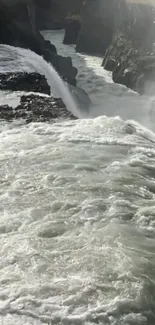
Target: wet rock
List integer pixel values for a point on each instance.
(126, 77)
(66, 69)
(35, 108)
(136, 71)
(109, 64)
(6, 112)
(130, 55)
(50, 47)
(72, 29)
(24, 82)
(81, 98)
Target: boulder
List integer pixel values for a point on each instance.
(124, 76)
(24, 82)
(131, 51)
(66, 69)
(34, 108)
(110, 64)
(52, 14)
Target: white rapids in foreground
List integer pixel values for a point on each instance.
(77, 223)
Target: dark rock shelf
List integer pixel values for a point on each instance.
(21, 81)
(35, 108)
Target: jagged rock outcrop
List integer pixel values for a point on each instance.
(34, 108)
(72, 29)
(24, 82)
(52, 14)
(46, 15)
(130, 55)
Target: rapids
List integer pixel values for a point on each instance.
(77, 202)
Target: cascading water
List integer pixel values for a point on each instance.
(19, 59)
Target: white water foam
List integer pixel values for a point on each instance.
(109, 98)
(77, 223)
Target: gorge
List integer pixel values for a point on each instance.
(125, 41)
(77, 162)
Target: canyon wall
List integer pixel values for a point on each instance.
(98, 22)
(130, 55)
(123, 32)
(52, 14)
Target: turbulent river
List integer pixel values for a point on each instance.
(77, 203)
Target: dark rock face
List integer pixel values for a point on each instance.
(72, 30)
(98, 22)
(126, 77)
(24, 82)
(66, 69)
(109, 64)
(34, 108)
(16, 28)
(130, 54)
(52, 14)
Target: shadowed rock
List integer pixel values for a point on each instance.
(131, 54)
(24, 82)
(98, 22)
(34, 108)
(72, 29)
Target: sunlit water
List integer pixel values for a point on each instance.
(77, 202)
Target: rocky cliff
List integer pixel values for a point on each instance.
(101, 20)
(98, 22)
(131, 55)
(123, 32)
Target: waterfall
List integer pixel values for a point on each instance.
(15, 59)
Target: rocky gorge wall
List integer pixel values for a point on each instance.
(51, 14)
(98, 22)
(123, 32)
(130, 55)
